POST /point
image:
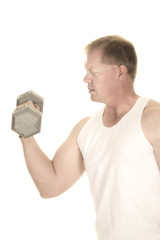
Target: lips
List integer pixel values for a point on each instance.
(90, 89)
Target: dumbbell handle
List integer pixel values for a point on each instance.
(31, 96)
(27, 105)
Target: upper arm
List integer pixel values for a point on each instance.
(68, 161)
(151, 126)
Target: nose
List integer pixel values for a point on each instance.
(87, 78)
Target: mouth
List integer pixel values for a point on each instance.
(91, 90)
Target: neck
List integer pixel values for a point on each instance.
(124, 95)
(117, 108)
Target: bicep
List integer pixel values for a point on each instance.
(68, 162)
(156, 147)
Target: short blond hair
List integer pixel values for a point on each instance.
(116, 50)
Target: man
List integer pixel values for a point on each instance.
(119, 147)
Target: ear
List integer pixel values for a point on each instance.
(122, 71)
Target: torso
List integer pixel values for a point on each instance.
(123, 174)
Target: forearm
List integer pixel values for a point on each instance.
(39, 166)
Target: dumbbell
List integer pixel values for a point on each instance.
(26, 119)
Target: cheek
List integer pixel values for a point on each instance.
(104, 82)
(107, 86)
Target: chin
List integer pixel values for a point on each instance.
(94, 99)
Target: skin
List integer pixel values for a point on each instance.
(108, 84)
(151, 127)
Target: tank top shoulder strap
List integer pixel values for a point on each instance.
(140, 105)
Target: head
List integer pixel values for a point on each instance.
(116, 51)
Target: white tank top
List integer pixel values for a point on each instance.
(124, 177)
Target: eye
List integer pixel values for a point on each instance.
(94, 74)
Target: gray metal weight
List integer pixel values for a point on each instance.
(26, 120)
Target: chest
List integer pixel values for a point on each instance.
(123, 148)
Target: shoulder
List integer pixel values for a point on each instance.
(77, 128)
(151, 111)
(151, 120)
(87, 122)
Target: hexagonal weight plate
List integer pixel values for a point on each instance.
(26, 121)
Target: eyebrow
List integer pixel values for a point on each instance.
(91, 69)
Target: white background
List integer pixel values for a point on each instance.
(41, 49)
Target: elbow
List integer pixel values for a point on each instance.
(46, 195)
(51, 191)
